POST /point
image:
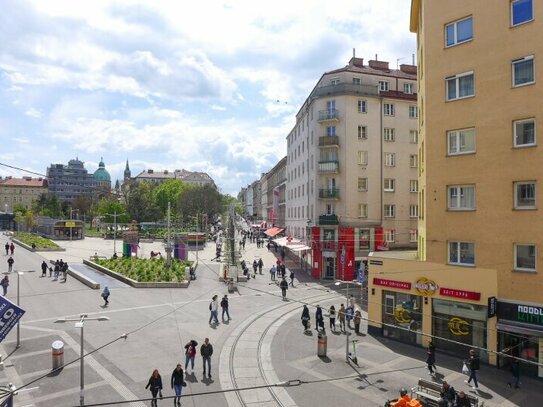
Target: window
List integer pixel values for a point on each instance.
(413, 113)
(331, 131)
(522, 11)
(458, 32)
(357, 81)
(362, 106)
(462, 253)
(523, 71)
(390, 235)
(413, 158)
(388, 109)
(389, 134)
(383, 86)
(460, 86)
(413, 136)
(461, 197)
(362, 132)
(362, 184)
(390, 211)
(362, 158)
(390, 159)
(408, 88)
(389, 184)
(525, 255)
(334, 81)
(413, 211)
(413, 185)
(524, 133)
(461, 141)
(525, 195)
(362, 210)
(413, 235)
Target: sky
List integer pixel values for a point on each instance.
(207, 85)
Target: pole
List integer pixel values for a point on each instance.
(169, 242)
(18, 303)
(197, 230)
(82, 371)
(346, 331)
(114, 232)
(71, 228)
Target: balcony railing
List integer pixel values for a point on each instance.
(327, 115)
(329, 193)
(345, 88)
(329, 141)
(328, 220)
(328, 166)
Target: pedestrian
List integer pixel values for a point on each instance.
(268, 245)
(7, 248)
(462, 400)
(65, 271)
(431, 358)
(357, 319)
(214, 310)
(12, 248)
(44, 269)
(473, 364)
(10, 264)
(206, 350)
(255, 267)
(178, 381)
(105, 296)
(57, 270)
(4, 283)
(292, 278)
(283, 255)
(319, 319)
(260, 265)
(515, 368)
(224, 306)
(342, 315)
(155, 385)
(447, 394)
(190, 353)
(283, 270)
(305, 318)
(284, 287)
(332, 314)
(273, 270)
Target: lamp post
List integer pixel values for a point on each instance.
(80, 323)
(19, 274)
(115, 214)
(71, 218)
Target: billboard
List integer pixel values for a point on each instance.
(9, 316)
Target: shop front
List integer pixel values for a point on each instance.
(520, 334)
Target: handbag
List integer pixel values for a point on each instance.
(160, 394)
(465, 368)
(184, 384)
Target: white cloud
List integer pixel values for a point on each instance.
(35, 113)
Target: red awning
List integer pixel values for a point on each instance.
(271, 232)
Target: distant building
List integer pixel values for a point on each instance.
(102, 180)
(158, 177)
(20, 192)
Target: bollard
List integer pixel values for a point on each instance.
(322, 344)
(58, 354)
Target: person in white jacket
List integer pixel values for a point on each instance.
(214, 308)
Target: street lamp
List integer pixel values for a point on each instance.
(347, 333)
(79, 323)
(19, 274)
(115, 214)
(71, 218)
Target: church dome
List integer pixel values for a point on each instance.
(101, 173)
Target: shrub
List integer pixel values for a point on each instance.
(40, 242)
(147, 270)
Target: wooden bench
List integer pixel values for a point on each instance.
(429, 392)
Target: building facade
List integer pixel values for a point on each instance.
(479, 176)
(71, 181)
(276, 195)
(20, 192)
(158, 177)
(352, 166)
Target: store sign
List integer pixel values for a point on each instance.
(69, 224)
(467, 295)
(426, 287)
(458, 326)
(404, 285)
(528, 314)
(402, 315)
(376, 262)
(492, 305)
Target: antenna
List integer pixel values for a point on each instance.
(377, 59)
(354, 52)
(413, 59)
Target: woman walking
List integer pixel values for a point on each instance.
(155, 385)
(4, 283)
(177, 381)
(333, 318)
(305, 318)
(431, 359)
(357, 319)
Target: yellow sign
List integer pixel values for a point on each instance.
(69, 224)
(402, 315)
(458, 326)
(425, 286)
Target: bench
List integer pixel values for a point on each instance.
(429, 392)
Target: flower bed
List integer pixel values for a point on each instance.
(39, 242)
(147, 270)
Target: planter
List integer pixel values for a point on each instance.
(37, 249)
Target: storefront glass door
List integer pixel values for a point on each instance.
(329, 267)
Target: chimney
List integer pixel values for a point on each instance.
(149, 171)
(358, 62)
(165, 172)
(408, 69)
(381, 65)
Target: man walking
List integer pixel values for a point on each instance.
(284, 287)
(12, 248)
(7, 248)
(44, 269)
(206, 350)
(10, 264)
(292, 278)
(260, 265)
(4, 283)
(473, 365)
(177, 383)
(341, 315)
(214, 310)
(224, 306)
(273, 270)
(105, 296)
(319, 319)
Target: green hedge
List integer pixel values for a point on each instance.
(147, 270)
(40, 242)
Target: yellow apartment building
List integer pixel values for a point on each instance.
(20, 192)
(476, 279)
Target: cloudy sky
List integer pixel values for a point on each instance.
(207, 85)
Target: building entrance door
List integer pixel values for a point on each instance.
(329, 263)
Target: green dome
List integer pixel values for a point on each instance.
(101, 173)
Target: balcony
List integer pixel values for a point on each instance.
(330, 115)
(328, 220)
(344, 88)
(329, 141)
(328, 166)
(329, 193)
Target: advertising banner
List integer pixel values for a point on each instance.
(9, 316)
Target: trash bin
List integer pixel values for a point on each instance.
(58, 354)
(322, 344)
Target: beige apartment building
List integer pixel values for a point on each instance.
(20, 192)
(477, 277)
(352, 166)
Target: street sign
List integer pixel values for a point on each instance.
(9, 316)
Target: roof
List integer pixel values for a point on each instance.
(394, 73)
(24, 182)
(182, 175)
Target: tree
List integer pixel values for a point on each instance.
(48, 205)
(196, 200)
(169, 191)
(227, 200)
(140, 203)
(108, 207)
(83, 204)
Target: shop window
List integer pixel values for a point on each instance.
(402, 316)
(364, 239)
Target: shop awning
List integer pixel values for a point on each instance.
(299, 248)
(271, 232)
